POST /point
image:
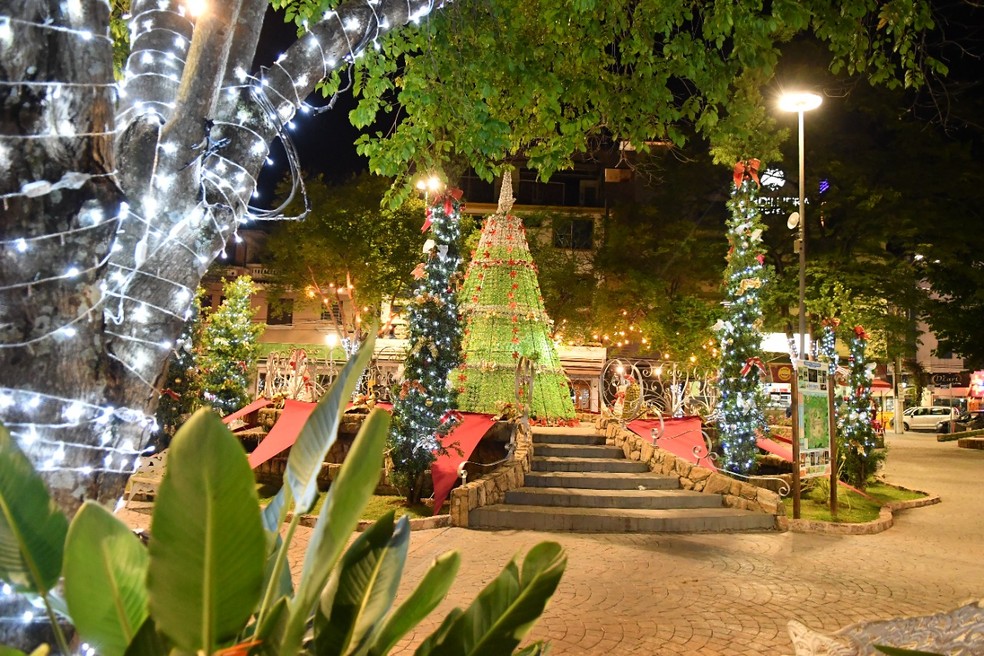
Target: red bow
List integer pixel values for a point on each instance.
(427, 221)
(831, 322)
(750, 362)
(860, 332)
(747, 169)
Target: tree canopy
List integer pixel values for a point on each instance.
(482, 81)
(348, 237)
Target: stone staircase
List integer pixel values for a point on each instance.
(577, 483)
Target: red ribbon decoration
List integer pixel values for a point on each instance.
(747, 169)
(860, 332)
(750, 362)
(427, 221)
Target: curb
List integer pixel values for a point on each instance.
(416, 524)
(883, 523)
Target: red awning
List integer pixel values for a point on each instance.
(242, 412)
(284, 432)
(784, 451)
(879, 384)
(681, 436)
(460, 444)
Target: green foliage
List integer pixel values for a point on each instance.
(203, 585)
(348, 235)
(207, 547)
(105, 569)
(479, 82)
(229, 347)
(740, 415)
(421, 410)
(32, 529)
(119, 32)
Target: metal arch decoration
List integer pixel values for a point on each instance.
(292, 375)
(632, 388)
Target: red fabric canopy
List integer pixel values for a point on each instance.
(681, 436)
(878, 383)
(782, 450)
(460, 444)
(242, 412)
(284, 432)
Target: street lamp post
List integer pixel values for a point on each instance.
(801, 102)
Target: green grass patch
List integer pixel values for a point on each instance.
(378, 506)
(852, 508)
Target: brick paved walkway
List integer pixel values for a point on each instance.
(734, 594)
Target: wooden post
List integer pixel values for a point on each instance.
(796, 444)
(833, 445)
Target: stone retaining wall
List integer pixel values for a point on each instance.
(736, 494)
(492, 487)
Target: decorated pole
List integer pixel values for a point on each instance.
(740, 406)
(422, 410)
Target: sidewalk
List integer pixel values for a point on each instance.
(734, 593)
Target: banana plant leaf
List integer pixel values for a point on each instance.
(105, 574)
(346, 499)
(362, 588)
(424, 599)
(32, 528)
(309, 450)
(207, 546)
(505, 611)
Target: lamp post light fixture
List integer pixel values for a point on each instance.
(801, 102)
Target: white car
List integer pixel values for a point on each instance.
(926, 418)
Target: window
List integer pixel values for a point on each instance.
(280, 312)
(332, 313)
(574, 234)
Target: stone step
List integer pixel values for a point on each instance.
(602, 480)
(577, 451)
(618, 520)
(559, 438)
(581, 498)
(547, 464)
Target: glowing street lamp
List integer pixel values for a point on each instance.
(801, 102)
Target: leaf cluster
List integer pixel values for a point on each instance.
(214, 578)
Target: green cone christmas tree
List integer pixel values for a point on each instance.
(181, 395)
(504, 320)
(740, 415)
(425, 399)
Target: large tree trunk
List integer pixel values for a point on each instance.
(115, 201)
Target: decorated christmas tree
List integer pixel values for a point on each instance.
(181, 393)
(422, 408)
(740, 415)
(857, 437)
(505, 320)
(229, 348)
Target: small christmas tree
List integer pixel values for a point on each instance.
(181, 394)
(857, 436)
(229, 349)
(422, 408)
(740, 416)
(504, 320)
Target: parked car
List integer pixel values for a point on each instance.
(927, 417)
(965, 422)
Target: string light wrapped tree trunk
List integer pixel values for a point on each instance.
(505, 320)
(422, 410)
(118, 197)
(740, 416)
(857, 435)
